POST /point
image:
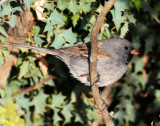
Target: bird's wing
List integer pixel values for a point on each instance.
(81, 51)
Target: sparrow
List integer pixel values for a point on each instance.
(114, 55)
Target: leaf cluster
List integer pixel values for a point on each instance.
(63, 100)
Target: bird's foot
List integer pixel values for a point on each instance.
(98, 79)
(105, 106)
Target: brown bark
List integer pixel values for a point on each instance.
(93, 63)
(17, 34)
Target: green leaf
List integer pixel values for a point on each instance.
(124, 29)
(117, 18)
(69, 36)
(62, 5)
(58, 42)
(56, 117)
(18, 83)
(142, 81)
(127, 90)
(12, 21)
(49, 35)
(1, 60)
(23, 50)
(67, 44)
(67, 112)
(5, 52)
(75, 19)
(87, 39)
(139, 65)
(23, 102)
(131, 18)
(157, 94)
(6, 9)
(85, 7)
(138, 4)
(17, 9)
(2, 38)
(2, 93)
(23, 69)
(36, 30)
(118, 115)
(99, 8)
(39, 102)
(58, 100)
(56, 18)
(38, 40)
(130, 111)
(73, 96)
(73, 6)
(78, 118)
(120, 5)
(11, 114)
(155, 15)
(28, 3)
(48, 26)
(3, 31)
(28, 121)
(31, 58)
(49, 6)
(91, 114)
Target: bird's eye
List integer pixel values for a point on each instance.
(126, 48)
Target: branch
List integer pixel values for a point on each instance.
(93, 62)
(35, 86)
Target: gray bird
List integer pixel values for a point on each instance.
(114, 55)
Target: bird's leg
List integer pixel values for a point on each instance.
(98, 79)
(105, 106)
(103, 103)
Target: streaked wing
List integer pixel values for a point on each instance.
(81, 51)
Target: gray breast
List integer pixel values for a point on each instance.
(110, 73)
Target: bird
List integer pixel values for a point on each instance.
(114, 55)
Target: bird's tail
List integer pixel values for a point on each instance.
(48, 51)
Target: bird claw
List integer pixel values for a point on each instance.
(98, 79)
(105, 106)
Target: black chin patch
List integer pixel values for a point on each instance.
(129, 57)
(126, 59)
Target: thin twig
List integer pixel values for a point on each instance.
(35, 86)
(93, 62)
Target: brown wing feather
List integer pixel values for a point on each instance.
(81, 51)
(78, 50)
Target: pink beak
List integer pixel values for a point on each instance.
(134, 52)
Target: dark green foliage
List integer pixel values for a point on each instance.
(63, 100)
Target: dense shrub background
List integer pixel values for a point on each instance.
(63, 100)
